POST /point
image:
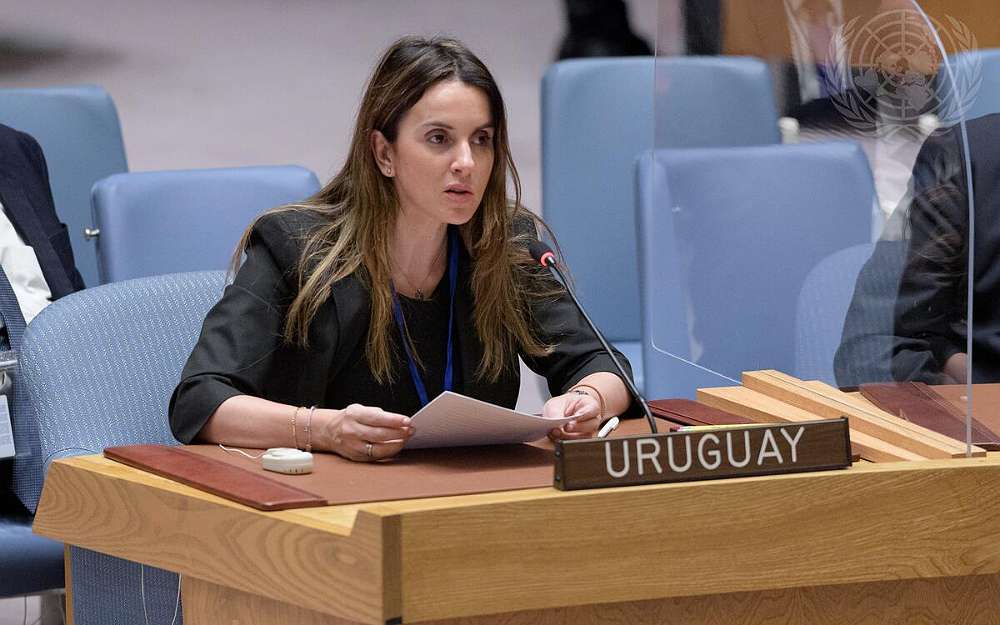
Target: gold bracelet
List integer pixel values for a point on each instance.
(599, 398)
(309, 431)
(295, 433)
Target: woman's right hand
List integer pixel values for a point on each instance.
(956, 368)
(365, 433)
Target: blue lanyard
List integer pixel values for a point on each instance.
(397, 311)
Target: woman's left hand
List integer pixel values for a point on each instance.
(584, 407)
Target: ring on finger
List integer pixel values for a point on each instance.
(369, 449)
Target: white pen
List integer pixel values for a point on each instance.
(609, 427)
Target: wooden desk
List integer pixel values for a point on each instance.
(879, 543)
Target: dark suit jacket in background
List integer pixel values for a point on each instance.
(241, 349)
(909, 311)
(27, 202)
(931, 312)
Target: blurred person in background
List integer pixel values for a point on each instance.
(36, 260)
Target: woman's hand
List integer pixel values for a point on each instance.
(586, 410)
(956, 368)
(365, 433)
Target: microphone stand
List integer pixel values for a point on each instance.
(548, 260)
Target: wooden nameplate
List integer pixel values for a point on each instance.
(703, 454)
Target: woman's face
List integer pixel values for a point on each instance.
(443, 154)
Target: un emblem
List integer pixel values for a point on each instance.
(886, 72)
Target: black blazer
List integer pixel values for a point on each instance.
(27, 202)
(241, 350)
(931, 312)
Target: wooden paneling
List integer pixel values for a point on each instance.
(94, 503)
(210, 604)
(967, 600)
(971, 600)
(67, 565)
(761, 28)
(671, 546)
(906, 520)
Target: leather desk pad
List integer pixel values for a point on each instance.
(413, 474)
(219, 478)
(689, 412)
(926, 406)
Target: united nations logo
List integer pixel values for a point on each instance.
(885, 73)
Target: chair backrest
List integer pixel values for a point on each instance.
(977, 74)
(79, 131)
(99, 366)
(739, 229)
(821, 311)
(597, 117)
(868, 342)
(173, 221)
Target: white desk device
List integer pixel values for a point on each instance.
(287, 460)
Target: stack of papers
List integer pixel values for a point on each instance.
(453, 420)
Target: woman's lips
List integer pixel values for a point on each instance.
(460, 195)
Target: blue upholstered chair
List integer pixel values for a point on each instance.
(173, 221)
(868, 342)
(982, 68)
(821, 310)
(99, 367)
(78, 129)
(726, 238)
(597, 117)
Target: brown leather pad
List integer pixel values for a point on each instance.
(688, 412)
(413, 474)
(921, 404)
(219, 478)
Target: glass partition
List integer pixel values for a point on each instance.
(809, 203)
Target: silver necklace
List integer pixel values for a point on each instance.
(409, 281)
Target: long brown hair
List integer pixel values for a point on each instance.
(358, 208)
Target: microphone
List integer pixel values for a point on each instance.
(545, 257)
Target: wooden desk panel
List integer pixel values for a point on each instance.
(329, 560)
(677, 551)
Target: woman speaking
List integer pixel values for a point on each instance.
(405, 276)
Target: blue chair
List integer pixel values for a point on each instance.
(174, 221)
(79, 132)
(821, 310)
(867, 346)
(727, 237)
(99, 367)
(977, 67)
(597, 117)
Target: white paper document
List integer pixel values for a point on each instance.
(452, 420)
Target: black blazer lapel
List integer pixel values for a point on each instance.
(21, 212)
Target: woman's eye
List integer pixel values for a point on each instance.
(436, 139)
(484, 139)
